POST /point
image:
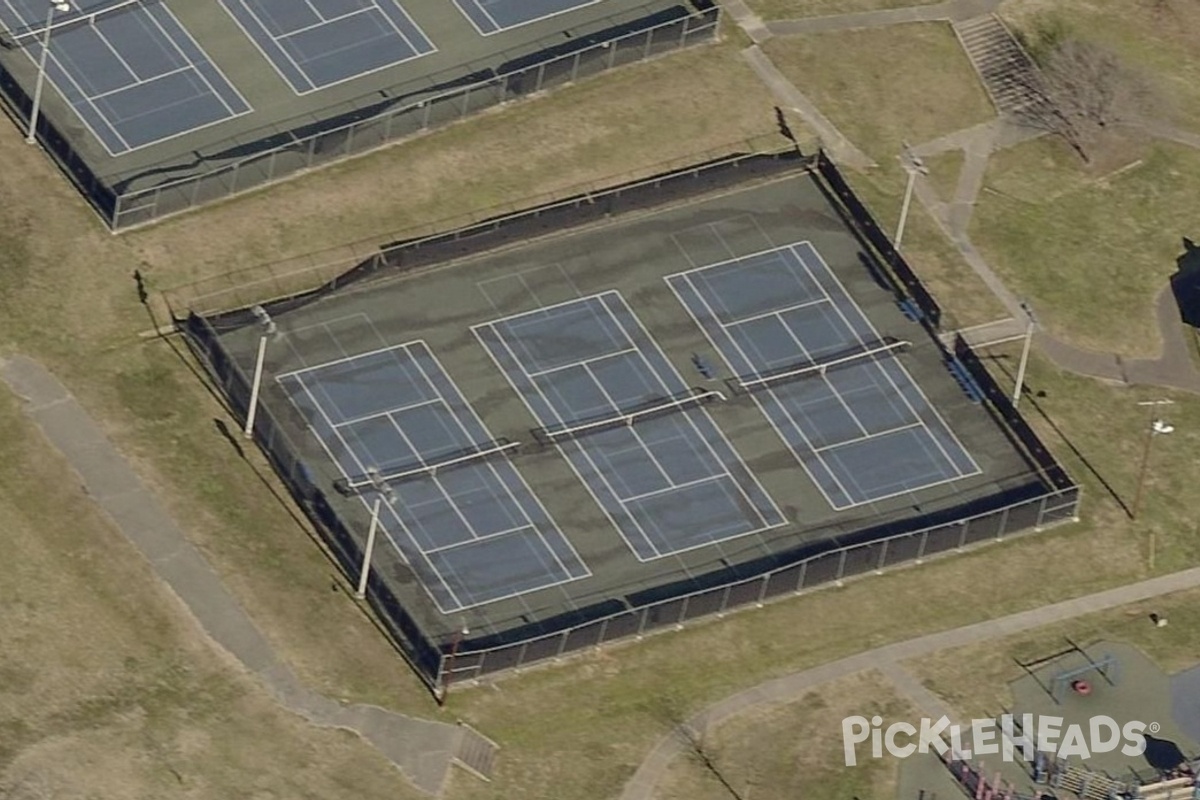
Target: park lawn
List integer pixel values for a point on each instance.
(905, 83)
(70, 301)
(944, 169)
(975, 679)
(1155, 38)
(107, 686)
(791, 9)
(572, 731)
(792, 749)
(1092, 252)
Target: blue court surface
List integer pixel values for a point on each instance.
(493, 16)
(473, 532)
(863, 431)
(134, 75)
(669, 482)
(318, 43)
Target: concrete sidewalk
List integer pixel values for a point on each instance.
(792, 687)
(421, 749)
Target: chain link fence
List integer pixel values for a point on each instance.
(265, 156)
(1046, 497)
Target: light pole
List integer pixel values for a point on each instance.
(1030, 325)
(1157, 427)
(913, 166)
(384, 492)
(459, 635)
(268, 330)
(55, 5)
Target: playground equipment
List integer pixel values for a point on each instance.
(1107, 666)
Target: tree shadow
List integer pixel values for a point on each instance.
(1031, 397)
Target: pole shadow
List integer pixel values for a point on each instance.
(1031, 396)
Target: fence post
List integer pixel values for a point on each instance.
(800, 576)
(962, 535)
(921, 547)
(883, 554)
(575, 66)
(646, 47)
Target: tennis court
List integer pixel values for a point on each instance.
(132, 73)
(494, 16)
(313, 44)
(830, 384)
(630, 427)
(455, 508)
(694, 396)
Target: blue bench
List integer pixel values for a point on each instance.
(910, 309)
(965, 380)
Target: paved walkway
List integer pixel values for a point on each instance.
(1174, 368)
(887, 659)
(421, 749)
(948, 11)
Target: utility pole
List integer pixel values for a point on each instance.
(913, 166)
(1030, 326)
(1156, 428)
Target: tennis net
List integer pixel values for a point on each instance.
(460, 458)
(864, 353)
(654, 408)
(82, 13)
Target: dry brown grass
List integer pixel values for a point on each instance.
(788, 9)
(793, 749)
(884, 86)
(106, 687)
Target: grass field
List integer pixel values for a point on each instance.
(1092, 250)
(974, 680)
(793, 749)
(906, 83)
(943, 172)
(106, 690)
(572, 732)
(1154, 37)
(789, 9)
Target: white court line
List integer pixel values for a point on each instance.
(477, 539)
(761, 405)
(775, 313)
(388, 412)
(584, 363)
(900, 366)
(604, 507)
(322, 21)
(645, 450)
(773, 249)
(368, 506)
(675, 487)
(140, 83)
(502, 28)
(553, 524)
(462, 429)
(344, 359)
(833, 390)
(183, 31)
(695, 429)
(170, 40)
(470, 19)
(407, 531)
(869, 436)
(267, 56)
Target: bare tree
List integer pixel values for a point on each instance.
(1080, 91)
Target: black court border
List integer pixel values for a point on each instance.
(1049, 497)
